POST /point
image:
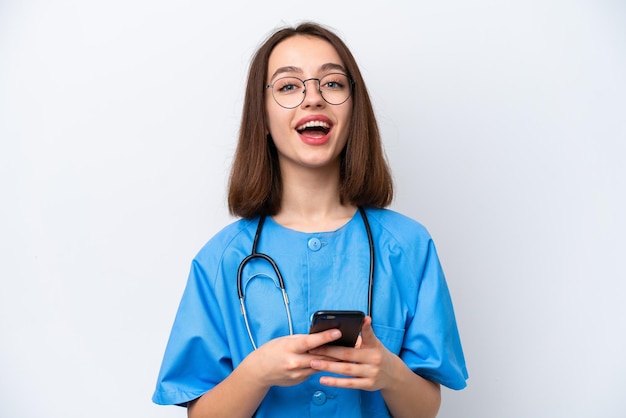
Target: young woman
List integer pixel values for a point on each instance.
(310, 184)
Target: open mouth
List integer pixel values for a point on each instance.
(314, 128)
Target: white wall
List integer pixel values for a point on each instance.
(504, 123)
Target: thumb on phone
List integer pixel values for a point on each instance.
(367, 337)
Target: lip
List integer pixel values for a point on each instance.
(315, 140)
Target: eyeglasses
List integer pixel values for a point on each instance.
(289, 92)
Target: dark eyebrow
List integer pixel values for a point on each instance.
(292, 69)
(288, 69)
(332, 66)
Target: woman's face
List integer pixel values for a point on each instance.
(311, 135)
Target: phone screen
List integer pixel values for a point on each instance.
(348, 322)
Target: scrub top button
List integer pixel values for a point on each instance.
(319, 398)
(314, 244)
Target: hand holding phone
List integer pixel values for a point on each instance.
(348, 322)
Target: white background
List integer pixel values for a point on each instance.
(504, 122)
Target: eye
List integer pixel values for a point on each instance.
(334, 82)
(287, 85)
(333, 85)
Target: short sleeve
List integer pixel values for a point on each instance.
(196, 357)
(432, 346)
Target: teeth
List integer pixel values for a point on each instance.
(313, 124)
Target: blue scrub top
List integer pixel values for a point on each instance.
(412, 310)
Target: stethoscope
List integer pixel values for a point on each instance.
(281, 283)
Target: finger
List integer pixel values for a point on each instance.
(340, 367)
(368, 338)
(320, 338)
(337, 353)
(347, 382)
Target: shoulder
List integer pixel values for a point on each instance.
(236, 236)
(403, 229)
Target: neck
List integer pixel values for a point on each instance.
(311, 202)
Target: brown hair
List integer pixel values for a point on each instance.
(255, 185)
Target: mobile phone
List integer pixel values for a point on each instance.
(348, 322)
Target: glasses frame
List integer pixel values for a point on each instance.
(319, 89)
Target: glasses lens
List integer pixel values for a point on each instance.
(288, 91)
(335, 88)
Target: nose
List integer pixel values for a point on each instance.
(313, 94)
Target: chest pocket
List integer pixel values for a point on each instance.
(391, 338)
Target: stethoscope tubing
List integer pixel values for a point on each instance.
(281, 283)
(370, 283)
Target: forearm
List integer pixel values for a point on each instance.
(410, 395)
(239, 395)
